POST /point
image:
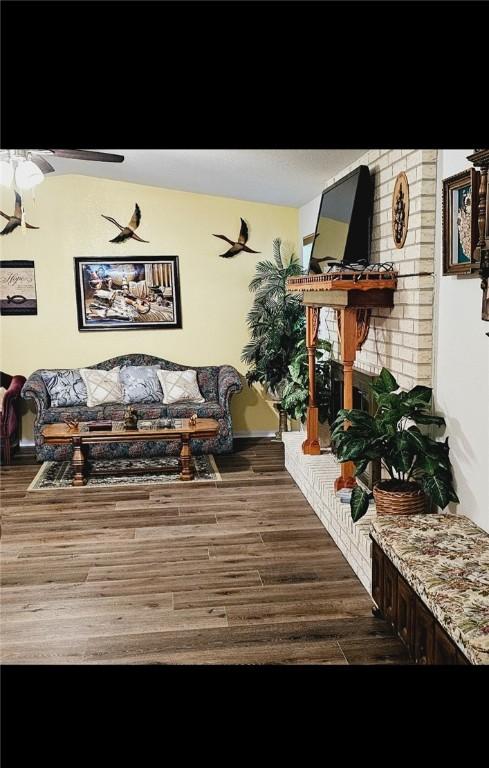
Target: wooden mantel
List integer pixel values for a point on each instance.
(353, 295)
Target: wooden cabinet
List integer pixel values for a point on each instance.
(425, 639)
(424, 634)
(405, 613)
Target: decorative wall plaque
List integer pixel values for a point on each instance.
(400, 210)
(17, 288)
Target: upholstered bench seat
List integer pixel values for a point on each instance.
(445, 559)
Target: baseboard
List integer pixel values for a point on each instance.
(254, 433)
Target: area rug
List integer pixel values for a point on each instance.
(58, 474)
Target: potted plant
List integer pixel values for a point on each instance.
(417, 465)
(276, 322)
(295, 395)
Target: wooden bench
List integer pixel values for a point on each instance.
(430, 579)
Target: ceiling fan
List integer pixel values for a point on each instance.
(28, 166)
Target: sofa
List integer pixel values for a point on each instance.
(216, 383)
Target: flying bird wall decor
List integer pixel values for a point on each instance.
(240, 245)
(129, 230)
(15, 220)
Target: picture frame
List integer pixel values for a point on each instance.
(460, 228)
(128, 293)
(17, 288)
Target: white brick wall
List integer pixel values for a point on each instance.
(400, 339)
(315, 476)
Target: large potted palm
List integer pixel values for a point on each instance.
(418, 466)
(277, 324)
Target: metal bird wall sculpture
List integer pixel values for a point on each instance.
(240, 245)
(127, 232)
(15, 220)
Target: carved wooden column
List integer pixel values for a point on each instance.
(311, 446)
(480, 159)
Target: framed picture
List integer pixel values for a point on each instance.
(460, 230)
(128, 293)
(17, 288)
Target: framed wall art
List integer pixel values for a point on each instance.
(460, 229)
(129, 293)
(17, 288)
(400, 210)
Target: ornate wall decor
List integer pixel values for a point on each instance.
(128, 293)
(128, 231)
(17, 219)
(400, 210)
(460, 231)
(239, 245)
(480, 159)
(17, 288)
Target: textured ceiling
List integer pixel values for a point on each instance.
(280, 176)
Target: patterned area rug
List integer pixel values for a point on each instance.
(58, 474)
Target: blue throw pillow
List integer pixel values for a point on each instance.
(140, 384)
(65, 387)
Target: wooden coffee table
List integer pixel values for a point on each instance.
(56, 434)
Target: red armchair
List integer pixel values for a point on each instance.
(9, 415)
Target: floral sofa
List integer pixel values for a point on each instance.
(217, 384)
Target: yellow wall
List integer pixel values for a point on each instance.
(214, 291)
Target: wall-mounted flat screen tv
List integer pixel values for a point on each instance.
(344, 223)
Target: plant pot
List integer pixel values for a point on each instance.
(398, 497)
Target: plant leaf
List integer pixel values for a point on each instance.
(359, 503)
(417, 396)
(424, 418)
(385, 382)
(439, 490)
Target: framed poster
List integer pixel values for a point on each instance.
(460, 229)
(128, 293)
(17, 288)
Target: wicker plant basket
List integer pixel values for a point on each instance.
(395, 498)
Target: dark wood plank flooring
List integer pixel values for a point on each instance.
(238, 572)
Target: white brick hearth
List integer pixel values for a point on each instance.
(315, 476)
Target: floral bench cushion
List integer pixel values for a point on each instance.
(445, 558)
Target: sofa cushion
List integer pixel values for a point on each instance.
(180, 386)
(140, 384)
(207, 379)
(205, 410)
(75, 412)
(65, 387)
(102, 386)
(115, 411)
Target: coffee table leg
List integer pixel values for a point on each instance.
(78, 463)
(187, 472)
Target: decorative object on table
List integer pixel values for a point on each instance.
(155, 424)
(460, 231)
(416, 464)
(71, 423)
(240, 245)
(57, 475)
(130, 418)
(10, 387)
(276, 323)
(99, 426)
(480, 159)
(18, 218)
(400, 210)
(17, 288)
(128, 293)
(129, 230)
(193, 420)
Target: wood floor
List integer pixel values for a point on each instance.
(238, 572)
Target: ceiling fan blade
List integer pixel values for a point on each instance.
(42, 163)
(88, 154)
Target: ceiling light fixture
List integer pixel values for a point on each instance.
(18, 167)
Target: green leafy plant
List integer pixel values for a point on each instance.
(393, 435)
(276, 321)
(295, 395)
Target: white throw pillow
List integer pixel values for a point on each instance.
(102, 386)
(3, 392)
(180, 386)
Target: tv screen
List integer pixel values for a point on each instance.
(343, 227)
